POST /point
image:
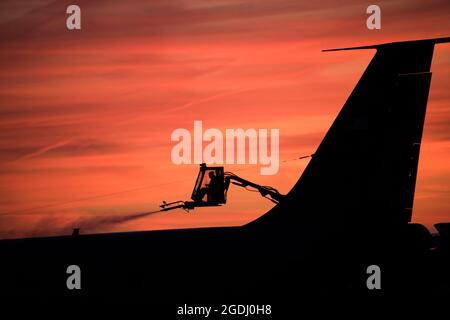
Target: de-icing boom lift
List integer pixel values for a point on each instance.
(211, 189)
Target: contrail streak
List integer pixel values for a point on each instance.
(44, 150)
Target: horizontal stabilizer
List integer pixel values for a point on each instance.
(376, 46)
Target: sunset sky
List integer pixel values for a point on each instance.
(90, 112)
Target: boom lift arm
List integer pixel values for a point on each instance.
(268, 192)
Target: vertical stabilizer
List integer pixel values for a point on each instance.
(364, 171)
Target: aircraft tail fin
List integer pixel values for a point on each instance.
(364, 171)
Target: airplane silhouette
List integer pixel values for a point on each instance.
(350, 208)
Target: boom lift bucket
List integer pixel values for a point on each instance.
(210, 187)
